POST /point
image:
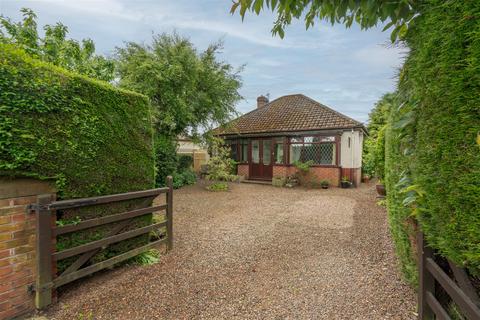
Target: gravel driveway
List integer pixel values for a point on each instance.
(258, 252)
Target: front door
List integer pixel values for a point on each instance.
(261, 159)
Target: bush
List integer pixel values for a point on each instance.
(185, 162)
(218, 186)
(221, 166)
(187, 177)
(89, 137)
(166, 159)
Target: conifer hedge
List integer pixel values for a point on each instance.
(435, 147)
(87, 136)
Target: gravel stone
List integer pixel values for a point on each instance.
(258, 252)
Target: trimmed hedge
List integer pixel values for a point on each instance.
(89, 137)
(401, 221)
(440, 85)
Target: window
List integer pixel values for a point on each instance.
(232, 145)
(267, 152)
(320, 150)
(243, 150)
(255, 151)
(278, 151)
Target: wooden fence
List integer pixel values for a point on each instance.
(432, 277)
(46, 280)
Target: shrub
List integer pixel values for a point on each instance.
(218, 186)
(303, 168)
(89, 137)
(185, 162)
(184, 178)
(221, 166)
(166, 159)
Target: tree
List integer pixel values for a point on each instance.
(189, 91)
(54, 47)
(367, 13)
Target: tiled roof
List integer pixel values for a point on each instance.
(288, 113)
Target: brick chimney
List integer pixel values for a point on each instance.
(261, 101)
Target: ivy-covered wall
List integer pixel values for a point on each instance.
(88, 136)
(433, 155)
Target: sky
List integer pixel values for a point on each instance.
(346, 69)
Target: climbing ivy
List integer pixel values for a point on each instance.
(86, 135)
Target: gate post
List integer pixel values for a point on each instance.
(43, 293)
(426, 282)
(170, 213)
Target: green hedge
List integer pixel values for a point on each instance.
(440, 84)
(89, 137)
(400, 216)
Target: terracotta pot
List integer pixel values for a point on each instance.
(381, 189)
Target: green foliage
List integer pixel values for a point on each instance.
(189, 90)
(218, 186)
(166, 159)
(400, 217)
(221, 166)
(367, 13)
(185, 162)
(374, 145)
(303, 167)
(54, 47)
(89, 137)
(441, 82)
(324, 183)
(184, 178)
(151, 256)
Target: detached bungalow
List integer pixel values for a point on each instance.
(268, 140)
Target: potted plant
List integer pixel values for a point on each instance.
(382, 192)
(324, 184)
(366, 178)
(345, 183)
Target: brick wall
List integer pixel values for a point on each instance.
(353, 174)
(242, 170)
(17, 245)
(320, 173)
(281, 171)
(330, 174)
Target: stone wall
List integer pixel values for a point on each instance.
(17, 244)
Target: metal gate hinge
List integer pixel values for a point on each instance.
(35, 206)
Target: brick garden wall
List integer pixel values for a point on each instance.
(242, 170)
(17, 245)
(331, 174)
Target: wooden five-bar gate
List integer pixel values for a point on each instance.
(432, 277)
(46, 280)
